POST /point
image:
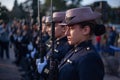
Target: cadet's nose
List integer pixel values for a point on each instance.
(67, 33)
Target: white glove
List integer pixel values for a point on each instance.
(33, 53)
(37, 61)
(28, 55)
(40, 66)
(15, 37)
(30, 46)
(19, 39)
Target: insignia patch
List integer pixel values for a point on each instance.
(47, 57)
(68, 19)
(46, 71)
(69, 61)
(76, 50)
(56, 50)
(88, 48)
(48, 45)
(58, 43)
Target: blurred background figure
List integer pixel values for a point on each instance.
(4, 40)
(98, 43)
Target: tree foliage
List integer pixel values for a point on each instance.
(60, 5)
(74, 3)
(19, 11)
(57, 4)
(35, 8)
(4, 14)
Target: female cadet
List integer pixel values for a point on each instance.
(61, 46)
(82, 62)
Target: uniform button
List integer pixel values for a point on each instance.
(88, 48)
(56, 50)
(48, 45)
(58, 43)
(75, 50)
(69, 61)
(47, 57)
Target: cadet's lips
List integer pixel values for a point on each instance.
(69, 39)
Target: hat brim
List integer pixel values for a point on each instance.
(77, 19)
(62, 24)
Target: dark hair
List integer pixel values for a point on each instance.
(97, 29)
(48, 24)
(88, 23)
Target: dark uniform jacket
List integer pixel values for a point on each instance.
(61, 48)
(82, 63)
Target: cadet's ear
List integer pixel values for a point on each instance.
(64, 29)
(86, 30)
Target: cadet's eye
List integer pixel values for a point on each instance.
(71, 28)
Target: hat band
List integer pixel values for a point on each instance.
(68, 19)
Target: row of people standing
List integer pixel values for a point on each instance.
(61, 46)
(25, 41)
(110, 38)
(27, 54)
(4, 40)
(75, 56)
(82, 61)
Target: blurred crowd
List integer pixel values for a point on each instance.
(109, 42)
(24, 38)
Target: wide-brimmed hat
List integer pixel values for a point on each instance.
(58, 16)
(48, 20)
(77, 15)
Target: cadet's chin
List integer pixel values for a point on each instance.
(70, 43)
(49, 34)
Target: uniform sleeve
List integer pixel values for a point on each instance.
(91, 68)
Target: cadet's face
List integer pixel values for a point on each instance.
(74, 34)
(58, 30)
(48, 30)
(43, 28)
(25, 27)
